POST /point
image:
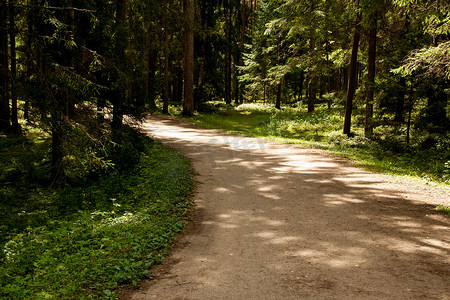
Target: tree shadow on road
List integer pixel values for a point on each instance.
(315, 225)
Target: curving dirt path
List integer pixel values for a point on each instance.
(274, 221)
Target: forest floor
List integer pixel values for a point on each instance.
(279, 221)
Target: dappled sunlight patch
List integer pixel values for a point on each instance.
(222, 190)
(407, 223)
(417, 245)
(332, 255)
(334, 200)
(252, 164)
(284, 239)
(224, 224)
(437, 243)
(275, 223)
(267, 188)
(126, 218)
(272, 196)
(276, 238)
(266, 234)
(224, 216)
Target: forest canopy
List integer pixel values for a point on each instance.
(76, 68)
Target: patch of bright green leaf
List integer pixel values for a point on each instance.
(445, 209)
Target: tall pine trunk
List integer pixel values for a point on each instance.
(372, 51)
(4, 87)
(313, 74)
(12, 43)
(188, 100)
(151, 70)
(242, 48)
(118, 99)
(400, 102)
(228, 54)
(166, 70)
(352, 74)
(312, 92)
(278, 102)
(57, 171)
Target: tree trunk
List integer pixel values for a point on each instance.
(57, 171)
(180, 87)
(278, 103)
(236, 81)
(242, 49)
(410, 107)
(29, 63)
(12, 37)
(70, 101)
(352, 75)
(188, 101)
(118, 100)
(151, 70)
(371, 64)
(313, 75)
(4, 87)
(166, 71)
(400, 102)
(228, 55)
(300, 86)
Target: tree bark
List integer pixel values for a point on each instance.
(236, 81)
(352, 75)
(400, 102)
(166, 71)
(278, 103)
(242, 49)
(118, 100)
(4, 87)
(228, 55)
(188, 100)
(371, 64)
(151, 70)
(57, 171)
(300, 86)
(29, 62)
(12, 37)
(313, 74)
(70, 101)
(410, 107)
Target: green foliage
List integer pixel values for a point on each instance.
(445, 209)
(84, 241)
(427, 156)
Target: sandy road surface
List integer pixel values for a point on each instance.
(275, 221)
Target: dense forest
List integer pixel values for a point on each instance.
(77, 75)
(69, 67)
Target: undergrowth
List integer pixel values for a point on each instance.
(85, 240)
(426, 156)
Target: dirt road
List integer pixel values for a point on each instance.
(275, 221)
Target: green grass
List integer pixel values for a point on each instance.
(387, 152)
(85, 241)
(445, 209)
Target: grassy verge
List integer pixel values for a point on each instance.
(387, 152)
(444, 209)
(84, 241)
